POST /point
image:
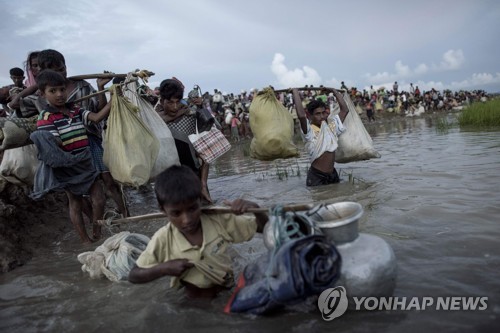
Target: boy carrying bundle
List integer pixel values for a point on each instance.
(192, 247)
(63, 146)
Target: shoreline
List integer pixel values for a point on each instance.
(27, 225)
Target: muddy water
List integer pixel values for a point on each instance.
(433, 196)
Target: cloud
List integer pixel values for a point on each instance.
(421, 69)
(477, 79)
(452, 59)
(401, 69)
(379, 77)
(485, 78)
(296, 77)
(334, 83)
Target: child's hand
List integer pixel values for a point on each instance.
(176, 267)
(240, 206)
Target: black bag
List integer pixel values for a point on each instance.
(204, 119)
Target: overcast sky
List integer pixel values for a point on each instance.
(235, 45)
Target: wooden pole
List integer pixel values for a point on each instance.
(206, 210)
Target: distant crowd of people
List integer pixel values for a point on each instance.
(232, 110)
(379, 101)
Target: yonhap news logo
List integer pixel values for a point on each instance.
(333, 303)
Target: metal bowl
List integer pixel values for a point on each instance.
(338, 221)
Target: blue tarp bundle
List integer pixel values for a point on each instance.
(300, 268)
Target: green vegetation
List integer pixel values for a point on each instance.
(287, 171)
(481, 114)
(443, 125)
(350, 177)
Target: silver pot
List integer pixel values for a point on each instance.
(368, 262)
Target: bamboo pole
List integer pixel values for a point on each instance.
(206, 210)
(105, 75)
(311, 88)
(91, 95)
(96, 76)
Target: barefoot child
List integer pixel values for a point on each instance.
(192, 247)
(77, 174)
(54, 60)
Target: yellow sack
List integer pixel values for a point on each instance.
(272, 127)
(167, 155)
(130, 148)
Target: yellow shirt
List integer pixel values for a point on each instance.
(212, 264)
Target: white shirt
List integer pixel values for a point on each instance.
(326, 139)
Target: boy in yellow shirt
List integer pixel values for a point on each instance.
(192, 247)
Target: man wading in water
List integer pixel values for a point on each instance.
(320, 133)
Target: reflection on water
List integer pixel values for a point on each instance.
(433, 196)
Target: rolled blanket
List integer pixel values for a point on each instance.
(300, 268)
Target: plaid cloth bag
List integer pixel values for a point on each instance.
(210, 145)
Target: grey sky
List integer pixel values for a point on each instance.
(235, 45)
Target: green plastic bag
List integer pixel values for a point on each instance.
(272, 127)
(130, 148)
